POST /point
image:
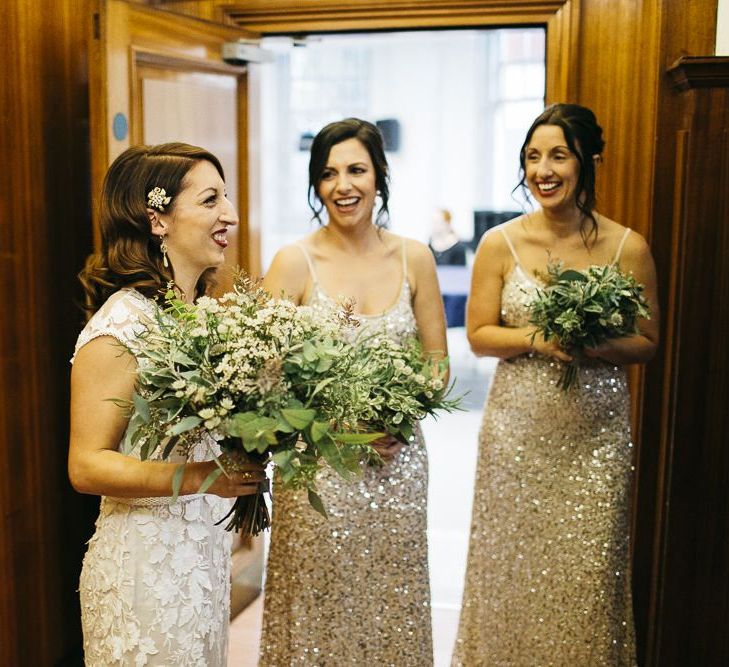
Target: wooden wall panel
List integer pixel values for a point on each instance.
(616, 80)
(683, 28)
(611, 56)
(690, 590)
(44, 216)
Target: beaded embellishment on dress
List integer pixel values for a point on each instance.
(353, 590)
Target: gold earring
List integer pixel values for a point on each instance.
(163, 250)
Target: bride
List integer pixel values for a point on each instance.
(155, 582)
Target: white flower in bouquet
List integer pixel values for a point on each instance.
(268, 380)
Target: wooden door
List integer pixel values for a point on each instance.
(156, 76)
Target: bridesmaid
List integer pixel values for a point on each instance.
(548, 577)
(354, 590)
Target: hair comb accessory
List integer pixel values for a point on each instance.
(158, 199)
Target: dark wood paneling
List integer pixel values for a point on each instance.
(690, 587)
(45, 223)
(684, 28)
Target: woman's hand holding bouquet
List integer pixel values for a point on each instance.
(583, 310)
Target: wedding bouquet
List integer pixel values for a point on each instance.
(583, 309)
(268, 380)
(403, 385)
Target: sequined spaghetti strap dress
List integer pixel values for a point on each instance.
(548, 576)
(353, 590)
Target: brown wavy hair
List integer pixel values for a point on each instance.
(130, 254)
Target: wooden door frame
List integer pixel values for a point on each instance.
(560, 17)
(145, 35)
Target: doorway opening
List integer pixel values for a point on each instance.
(453, 106)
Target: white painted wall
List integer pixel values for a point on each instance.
(722, 29)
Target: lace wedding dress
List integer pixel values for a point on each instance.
(155, 582)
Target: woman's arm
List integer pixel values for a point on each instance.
(101, 371)
(427, 300)
(637, 349)
(288, 275)
(486, 335)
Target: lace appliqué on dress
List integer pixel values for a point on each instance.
(123, 317)
(155, 583)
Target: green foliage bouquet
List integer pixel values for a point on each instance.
(263, 377)
(583, 309)
(402, 384)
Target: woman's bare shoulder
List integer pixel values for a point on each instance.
(291, 256)
(494, 242)
(288, 271)
(614, 232)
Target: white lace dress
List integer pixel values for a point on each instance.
(155, 582)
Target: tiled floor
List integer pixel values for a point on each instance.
(452, 451)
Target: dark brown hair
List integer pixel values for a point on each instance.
(584, 139)
(335, 133)
(130, 254)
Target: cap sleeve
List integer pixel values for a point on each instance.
(124, 316)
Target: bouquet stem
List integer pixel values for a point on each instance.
(248, 514)
(569, 375)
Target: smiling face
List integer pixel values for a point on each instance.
(552, 170)
(196, 226)
(347, 186)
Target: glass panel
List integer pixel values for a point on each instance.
(462, 101)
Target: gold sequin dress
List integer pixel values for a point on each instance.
(353, 590)
(548, 576)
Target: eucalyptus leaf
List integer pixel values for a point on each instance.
(310, 353)
(321, 385)
(316, 502)
(210, 479)
(299, 418)
(169, 446)
(177, 481)
(185, 424)
(283, 457)
(318, 430)
(287, 472)
(357, 438)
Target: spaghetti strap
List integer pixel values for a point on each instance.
(404, 261)
(510, 244)
(620, 246)
(308, 261)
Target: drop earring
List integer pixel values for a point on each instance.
(163, 250)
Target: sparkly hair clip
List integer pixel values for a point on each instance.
(158, 199)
